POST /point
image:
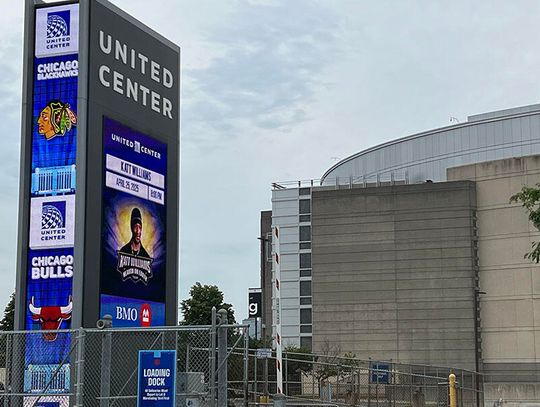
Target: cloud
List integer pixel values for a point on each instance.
(272, 58)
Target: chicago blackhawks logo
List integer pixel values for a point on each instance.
(56, 119)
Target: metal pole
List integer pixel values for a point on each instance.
(286, 386)
(452, 390)
(256, 323)
(369, 384)
(213, 359)
(222, 359)
(105, 388)
(255, 360)
(266, 377)
(461, 386)
(79, 386)
(280, 401)
(7, 381)
(246, 364)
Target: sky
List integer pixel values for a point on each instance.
(276, 91)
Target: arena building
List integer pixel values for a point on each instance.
(410, 251)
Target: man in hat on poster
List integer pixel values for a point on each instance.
(134, 246)
(134, 262)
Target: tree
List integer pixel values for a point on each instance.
(530, 200)
(299, 359)
(197, 309)
(327, 361)
(7, 322)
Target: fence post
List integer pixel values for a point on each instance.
(369, 384)
(255, 384)
(7, 381)
(79, 386)
(222, 359)
(212, 356)
(285, 370)
(265, 373)
(246, 364)
(452, 390)
(105, 386)
(280, 400)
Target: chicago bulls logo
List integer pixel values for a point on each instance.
(50, 317)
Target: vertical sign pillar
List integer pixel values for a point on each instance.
(47, 211)
(277, 297)
(99, 185)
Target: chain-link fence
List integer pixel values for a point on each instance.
(341, 381)
(215, 368)
(92, 367)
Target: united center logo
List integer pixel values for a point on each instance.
(57, 31)
(53, 221)
(58, 24)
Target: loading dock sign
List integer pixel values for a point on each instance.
(157, 378)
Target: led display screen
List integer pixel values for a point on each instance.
(49, 272)
(133, 231)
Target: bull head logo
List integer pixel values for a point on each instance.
(50, 317)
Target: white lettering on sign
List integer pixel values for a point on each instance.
(126, 314)
(127, 185)
(129, 88)
(52, 267)
(57, 70)
(134, 171)
(156, 195)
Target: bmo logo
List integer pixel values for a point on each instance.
(126, 313)
(146, 315)
(133, 316)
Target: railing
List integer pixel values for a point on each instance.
(372, 180)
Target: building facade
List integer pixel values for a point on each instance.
(509, 283)
(411, 251)
(426, 156)
(394, 273)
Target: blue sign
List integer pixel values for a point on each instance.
(380, 373)
(50, 264)
(134, 219)
(130, 312)
(157, 378)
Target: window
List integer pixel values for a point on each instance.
(305, 329)
(304, 218)
(305, 288)
(305, 273)
(268, 246)
(305, 301)
(304, 191)
(305, 260)
(305, 233)
(305, 316)
(304, 206)
(305, 342)
(305, 245)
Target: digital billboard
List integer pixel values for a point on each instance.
(98, 224)
(133, 262)
(50, 261)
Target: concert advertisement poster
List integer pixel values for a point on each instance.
(133, 231)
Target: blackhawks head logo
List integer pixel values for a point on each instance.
(56, 119)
